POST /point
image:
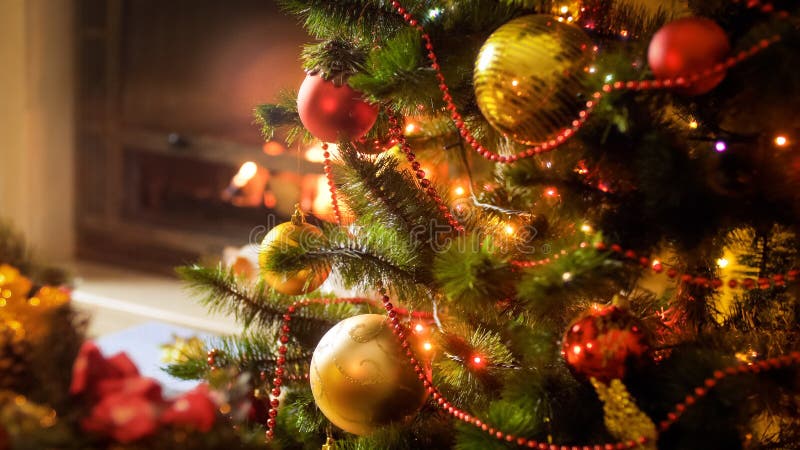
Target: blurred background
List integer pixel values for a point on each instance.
(126, 127)
(127, 143)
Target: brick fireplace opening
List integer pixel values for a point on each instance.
(170, 167)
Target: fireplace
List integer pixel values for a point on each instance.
(170, 167)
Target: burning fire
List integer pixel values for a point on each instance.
(245, 174)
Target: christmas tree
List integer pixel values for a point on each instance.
(570, 224)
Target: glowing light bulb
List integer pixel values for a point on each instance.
(693, 124)
(459, 191)
(419, 328)
(586, 228)
(577, 349)
(427, 346)
(551, 192)
(564, 9)
(515, 83)
(509, 229)
(592, 69)
(434, 13)
(609, 77)
(410, 127)
(656, 263)
(722, 263)
(781, 141)
(477, 360)
(566, 276)
(720, 146)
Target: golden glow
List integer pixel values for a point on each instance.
(515, 83)
(551, 192)
(722, 263)
(586, 228)
(576, 349)
(410, 127)
(459, 191)
(419, 328)
(477, 360)
(316, 153)
(564, 9)
(781, 141)
(656, 263)
(245, 174)
(509, 229)
(273, 148)
(693, 124)
(427, 346)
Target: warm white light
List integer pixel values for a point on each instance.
(515, 83)
(316, 154)
(434, 13)
(586, 228)
(781, 141)
(410, 128)
(459, 191)
(486, 57)
(656, 263)
(592, 69)
(693, 124)
(245, 174)
(427, 346)
(566, 276)
(509, 230)
(419, 328)
(564, 9)
(722, 263)
(477, 360)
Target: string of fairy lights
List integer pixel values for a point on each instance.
(405, 324)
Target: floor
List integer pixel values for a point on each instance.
(118, 299)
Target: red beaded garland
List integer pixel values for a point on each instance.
(766, 282)
(397, 135)
(331, 185)
(583, 115)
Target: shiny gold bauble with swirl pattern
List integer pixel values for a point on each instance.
(360, 378)
(530, 77)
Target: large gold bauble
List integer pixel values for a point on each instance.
(529, 77)
(359, 377)
(287, 235)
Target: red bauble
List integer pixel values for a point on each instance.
(604, 342)
(332, 113)
(689, 46)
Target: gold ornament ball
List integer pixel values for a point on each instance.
(529, 77)
(359, 377)
(296, 233)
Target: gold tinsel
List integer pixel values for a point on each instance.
(623, 419)
(24, 322)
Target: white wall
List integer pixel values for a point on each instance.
(36, 122)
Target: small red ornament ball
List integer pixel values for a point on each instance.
(604, 342)
(332, 113)
(689, 46)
